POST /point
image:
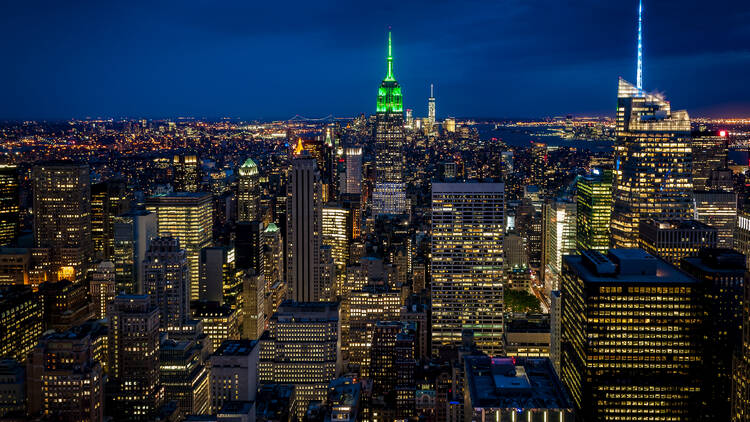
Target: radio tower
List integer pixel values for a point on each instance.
(639, 76)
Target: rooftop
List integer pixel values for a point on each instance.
(236, 348)
(624, 266)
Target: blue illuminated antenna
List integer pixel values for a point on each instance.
(639, 77)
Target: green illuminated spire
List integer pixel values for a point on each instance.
(389, 93)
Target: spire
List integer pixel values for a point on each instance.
(639, 76)
(389, 76)
(431, 94)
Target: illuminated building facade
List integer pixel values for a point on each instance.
(710, 149)
(353, 170)
(672, 240)
(220, 322)
(718, 209)
(304, 218)
(365, 307)
(334, 233)
(594, 210)
(653, 163)
(21, 321)
(431, 116)
(468, 221)
(108, 199)
(253, 305)
(740, 395)
(66, 381)
(302, 347)
(558, 238)
(9, 206)
(13, 387)
(132, 233)
(273, 267)
(134, 357)
(188, 218)
(186, 173)
(66, 304)
(248, 195)
(102, 289)
(62, 217)
(389, 141)
(234, 372)
(742, 235)
(631, 332)
(166, 281)
(15, 264)
(184, 376)
(217, 275)
(721, 273)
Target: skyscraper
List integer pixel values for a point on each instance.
(431, 111)
(184, 375)
(653, 163)
(9, 206)
(389, 140)
(134, 357)
(166, 281)
(710, 149)
(234, 372)
(108, 199)
(672, 240)
(334, 234)
(62, 217)
(102, 289)
(558, 238)
(187, 217)
(631, 331)
(248, 195)
(354, 170)
(186, 174)
(304, 219)
(21, 321)
(468, 221)
(132, 233)
(594, 210)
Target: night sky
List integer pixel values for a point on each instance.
(275, 59)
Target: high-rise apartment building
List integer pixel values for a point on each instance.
(62, 217)
(166, 281)
(653, 163)
(9, 204)
(302, 347)
(558, 238)
(468, 222)
(187, 217)
(594, 210)
(133, 231)
(672, 240)
(248, 192)
(134, 357)
(304, 220)
(631, 337)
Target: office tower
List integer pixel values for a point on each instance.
(555, 332)
(234, 372)
(468, 221)
(166, 279)
(334, 233)
(392, 369)
(653, 163)
(721, 273)
(15, 265)
(594, 210)
(249, 245)
(273, 260)
(134, 357)
(529, 226)
(364, 308)
(186, 217)
(66, 382)
(710, 149)
(62, 217)
(13, 387)
(108, 199)
(302, 347)
(21, 321)
(186, 173)
(303, 229)
(248, 192)
(66, 304)
(558, 238)
(9, 204)
(742, 235)
(353, 170)
(625, 362)
(740, 396)
(718, 209)
(323, 155)
(220, 322)
(504, 389)
(449, 124)
(514, 247)
(102, 289)
(184, 376)
(672, 240)
(253, 305)
(132, 233)
(538, 164)
(431, 111)
(389, 141)
(217, 273)
(527, 335)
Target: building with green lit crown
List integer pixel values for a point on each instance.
(248, 194)
(594, 210)
(389, 140)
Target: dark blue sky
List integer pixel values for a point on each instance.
(274, 59)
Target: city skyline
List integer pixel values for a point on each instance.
(512, 60)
